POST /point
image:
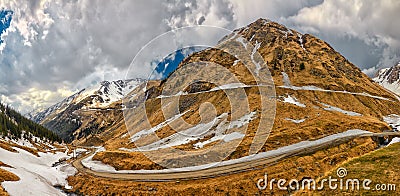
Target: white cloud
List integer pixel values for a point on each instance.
(370, 71)
(193, 12)
(249, 11)
(35, 98)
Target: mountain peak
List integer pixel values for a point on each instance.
(304, 57)
(267, 26)
(262, 21)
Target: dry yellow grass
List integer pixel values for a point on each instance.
(380, 166)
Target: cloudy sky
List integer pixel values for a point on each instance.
(52, 48)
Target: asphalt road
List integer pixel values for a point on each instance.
(219, 170)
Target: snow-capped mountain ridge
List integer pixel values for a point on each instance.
(97, 96)
(91, 109)
(389, 78)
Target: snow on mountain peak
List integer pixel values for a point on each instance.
(389, 78)
(100, 95)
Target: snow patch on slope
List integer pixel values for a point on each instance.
(296, 121)
(37, 176)
(314, 88)
(196, 133)
(300, 37)
(145, 132)
(394, 140)
(185, 136)
(257, 64)
(293, 100)
(28, 143)
(393, 120)
(240, 39)
(336, 109)
(286, 80)
(231, 136)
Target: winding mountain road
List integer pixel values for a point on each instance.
(220, 170)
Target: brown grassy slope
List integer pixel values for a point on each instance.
(319, 123)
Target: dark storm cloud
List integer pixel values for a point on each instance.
(55, 47)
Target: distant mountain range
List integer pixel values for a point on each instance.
(67, 116)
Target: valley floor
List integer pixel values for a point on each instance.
(22, 171)
(313, 165)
